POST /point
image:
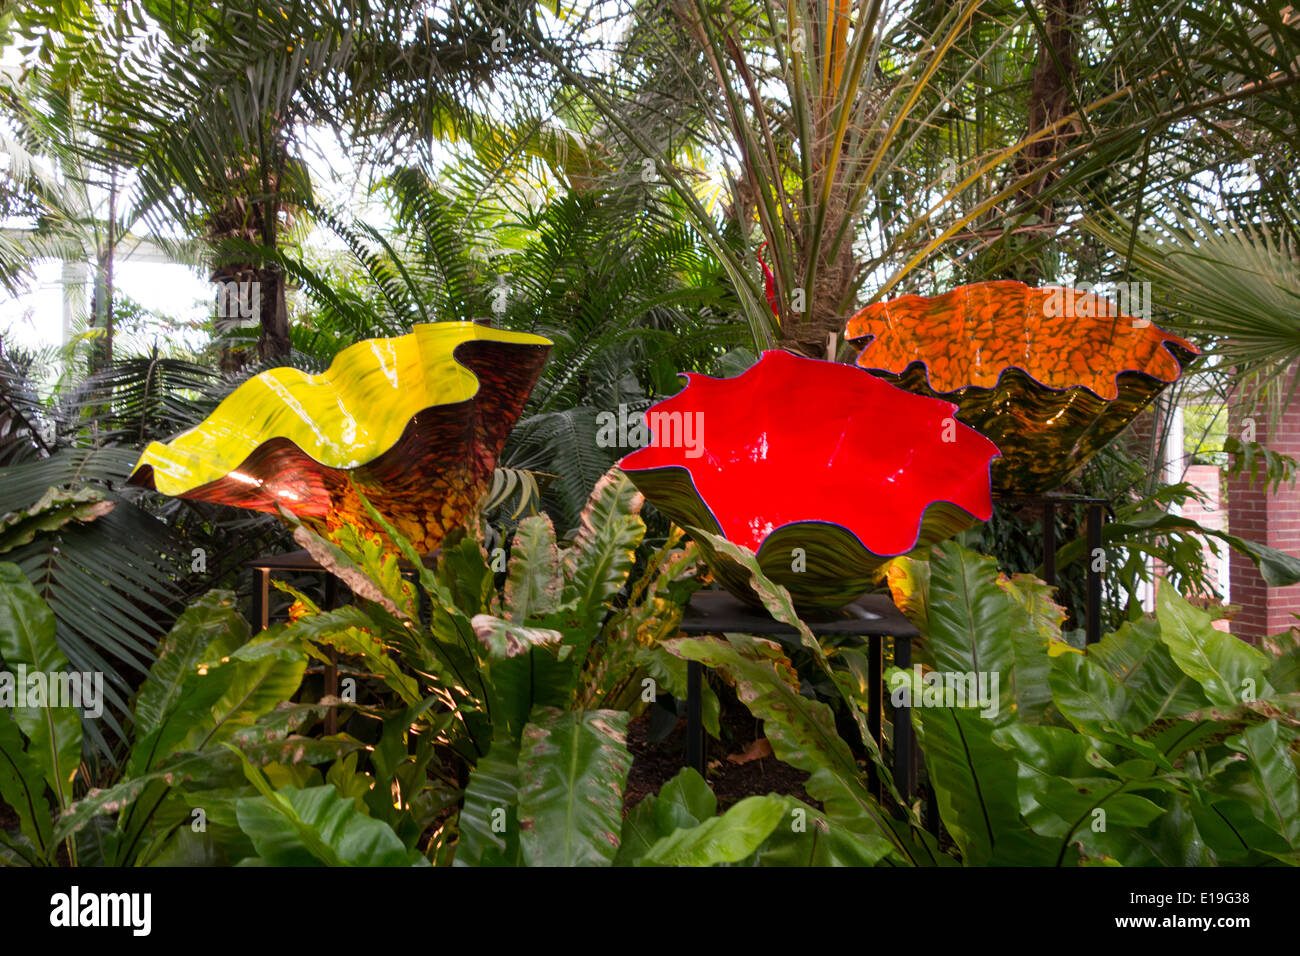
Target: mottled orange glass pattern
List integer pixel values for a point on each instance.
(1050, 375)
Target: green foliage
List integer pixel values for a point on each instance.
(572, 770)
(114, 575)
(508, 688)
(1259, 463)
(52, 731)
(214, 704)
(314, 827)
(491, 742)
(1136, 759)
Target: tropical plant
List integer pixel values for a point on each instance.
(518, 694)
(901, 143)
(116, 569)
(1129, 752)
(210, 719)
(1230, 282)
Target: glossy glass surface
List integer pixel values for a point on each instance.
(1051, 375)
(415, 422)
(797, 453)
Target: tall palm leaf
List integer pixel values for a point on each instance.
(1233, 285)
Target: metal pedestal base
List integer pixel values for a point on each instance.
(1097, 508)
(873, 617)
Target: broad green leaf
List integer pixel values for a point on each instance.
(1173, 838)
(683, 802)
(54, 509)
(1228, 669)
(1284, 674)
(1272, 788)
(572, 771)
(17, 850)
(468, 573)
(1204, 728)
(1140, 661)
(1090, 698)
(504, 639)
(602, 556)
(533, 582)
(351, 630)
(972, 620)
(489, 818)
(1065, 795)
(318, 826)
(22, 785)
(1233, 830)
(730, 838)
(259, 683)
(211, 617)
(975, 782)
(27, 642)
(1031, 645)
(806, 837)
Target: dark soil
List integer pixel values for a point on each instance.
(654, 764)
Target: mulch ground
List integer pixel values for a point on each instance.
(746, 775)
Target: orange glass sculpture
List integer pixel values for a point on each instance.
(1051, 375)
(414, 422)
(820, 469)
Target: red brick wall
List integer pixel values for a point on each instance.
(1256, 514)
(1205, 478)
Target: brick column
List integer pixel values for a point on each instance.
(1259, 515)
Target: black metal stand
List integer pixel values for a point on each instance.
(1096, 519)
(302, 562)
(873, 617)
(262, 568)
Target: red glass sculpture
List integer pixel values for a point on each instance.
(1051, 375)
(822, 470)
(414, 422)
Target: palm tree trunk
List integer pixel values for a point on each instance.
(273, 342)
(1050, 95)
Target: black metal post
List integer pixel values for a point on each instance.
(695, 716)
(1096, 517)
(904, 749)
(875, 707)
(1049, 541)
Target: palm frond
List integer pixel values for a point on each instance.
(1234, 286)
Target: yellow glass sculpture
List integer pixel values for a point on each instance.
(414, 422)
